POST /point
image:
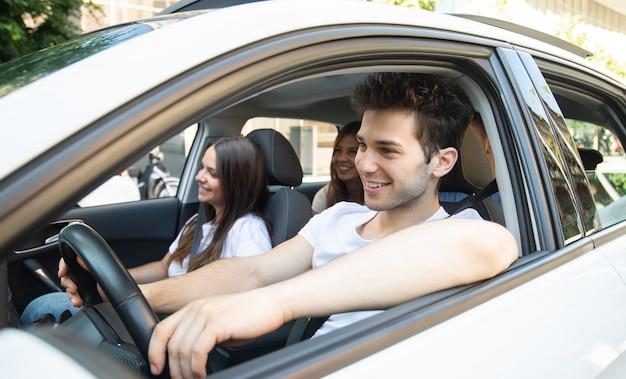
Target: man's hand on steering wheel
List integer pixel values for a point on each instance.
(227, 320)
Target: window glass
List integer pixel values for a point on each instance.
(26, 69)
(155, 175)
(312, 141)
(608, 180)
(545, 115)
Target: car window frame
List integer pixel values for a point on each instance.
(605, 92)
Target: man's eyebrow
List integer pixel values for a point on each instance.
(385, 142)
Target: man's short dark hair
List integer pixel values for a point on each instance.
(443, 110)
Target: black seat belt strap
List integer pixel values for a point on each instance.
(305, 328)
(197, 233)
(470, 201)
(314, 324)
(297, 331)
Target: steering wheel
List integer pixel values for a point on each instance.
(117, 284)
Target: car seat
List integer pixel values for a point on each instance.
(287, 210)
(470, 174)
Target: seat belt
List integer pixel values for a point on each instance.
(197, 233)
(305, 328)
(471, 200)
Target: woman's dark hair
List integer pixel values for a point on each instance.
(241, 171)
(442, 108)
(337, 190)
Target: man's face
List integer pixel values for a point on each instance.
(391, 161)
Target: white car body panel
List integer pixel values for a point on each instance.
(614, 251)
(127, 70)
(19, 349)
(477, 343)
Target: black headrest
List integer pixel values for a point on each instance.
(471, 171)
(281, 162)
(590, 157)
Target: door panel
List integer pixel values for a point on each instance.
(613, 247)
(138, 232)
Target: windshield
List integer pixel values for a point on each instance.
(19, 72)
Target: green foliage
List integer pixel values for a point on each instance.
(618, 180)
(500, 5)
(603, 58)
(30, 25)
(428, 5)
(569, 32)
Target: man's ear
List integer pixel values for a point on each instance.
(446, 158)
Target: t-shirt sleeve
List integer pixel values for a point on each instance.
(469, 213)
(310, 232)
(319, 200)
(249, 236)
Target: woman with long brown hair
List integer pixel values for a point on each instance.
(232, 186)
(345, 183)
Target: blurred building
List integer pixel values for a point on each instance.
(119, 11)
(601, 24)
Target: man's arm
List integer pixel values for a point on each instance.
(403, 266)
(223, 276)
(151, 271)
(231, 275)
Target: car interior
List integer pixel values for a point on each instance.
(139, 232)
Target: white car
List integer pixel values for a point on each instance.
(74, 115)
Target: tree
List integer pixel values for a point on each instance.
(31, 25)
(570, 30)
(428, 5)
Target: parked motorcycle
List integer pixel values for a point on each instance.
(154, 181)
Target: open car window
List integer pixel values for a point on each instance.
(608, 177)
(157, 174)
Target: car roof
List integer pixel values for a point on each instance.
(78, 95)
(194, 5)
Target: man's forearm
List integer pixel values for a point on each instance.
(232, 275)
(403, 266)
(148, 272)
(221, 277)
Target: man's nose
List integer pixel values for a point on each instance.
(365, 162)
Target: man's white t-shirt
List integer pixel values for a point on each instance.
(247, 237)
(332, 234)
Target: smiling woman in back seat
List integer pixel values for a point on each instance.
(345, 183)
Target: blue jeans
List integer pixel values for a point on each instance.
(54, 303)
